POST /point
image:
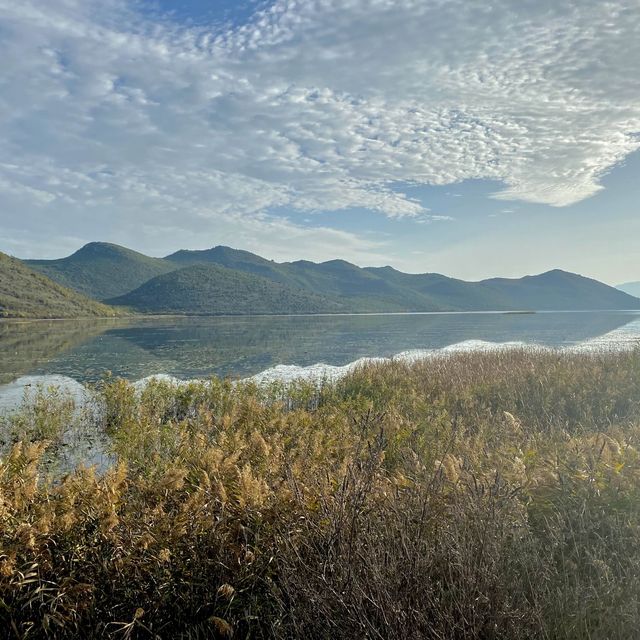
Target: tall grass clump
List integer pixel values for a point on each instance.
(487, 495)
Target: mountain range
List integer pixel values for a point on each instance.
(223, 280)
(632, 288)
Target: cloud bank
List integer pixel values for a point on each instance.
(113, 118)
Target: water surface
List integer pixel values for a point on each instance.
(53, 351)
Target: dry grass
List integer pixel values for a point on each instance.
(470, 496)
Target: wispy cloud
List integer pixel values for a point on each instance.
(315, 105)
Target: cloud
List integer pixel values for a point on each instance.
(115, 119)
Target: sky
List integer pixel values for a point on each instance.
(465, 137)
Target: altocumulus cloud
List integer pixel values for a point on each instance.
(110, 117)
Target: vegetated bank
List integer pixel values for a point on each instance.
(27, 294)
(486, 495)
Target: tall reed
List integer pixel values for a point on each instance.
(491, 495)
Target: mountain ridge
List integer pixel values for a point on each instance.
(102, 270)
(632, 288)
(333, 286)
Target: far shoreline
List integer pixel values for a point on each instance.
(161, 316)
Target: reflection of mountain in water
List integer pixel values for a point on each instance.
(27, 346)
(198, 347)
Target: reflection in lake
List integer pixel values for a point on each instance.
(69, 354)
(243, 346)
(27, 346)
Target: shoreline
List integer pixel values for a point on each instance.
(161, 316)
(320, 372)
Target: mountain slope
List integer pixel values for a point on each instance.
(350, 286)
(232, 259)
(559, 291)
(27, 294)
(375, 289)
(101, 270)
(445, 292)
(632, 288)
(215, 290)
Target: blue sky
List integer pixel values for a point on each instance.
(203, 13)
(459, 136)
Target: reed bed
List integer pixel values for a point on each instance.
(486, 495)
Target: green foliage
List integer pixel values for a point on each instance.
(467, 496)
(215, 290)
(27, 294)
(45, 417)
(101, 270)
(385, 289)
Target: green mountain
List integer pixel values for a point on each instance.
(632, 288)
(27, 294)
(446, 293)
(374, 289)
(351, 287)
(203, 289)
(232, 259)
(101, 270)
(560, 291)
(253, 284)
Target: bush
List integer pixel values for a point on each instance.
(468, 496)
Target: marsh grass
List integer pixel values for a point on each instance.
(490, 495)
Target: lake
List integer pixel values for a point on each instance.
(77, 351)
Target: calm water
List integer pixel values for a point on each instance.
(82, 351)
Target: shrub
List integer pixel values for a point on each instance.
(468, 496)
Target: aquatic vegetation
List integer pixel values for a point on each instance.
(477, 495)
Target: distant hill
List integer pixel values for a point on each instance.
(27, 294)
(349, 286)
(372, 289)
(353, 288)
(232, 259)
(101, 270)
(560, 291)
(215, 290)
(446, 293)
(632, 288)
(171, 285)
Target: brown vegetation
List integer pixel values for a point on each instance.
(469, 496)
